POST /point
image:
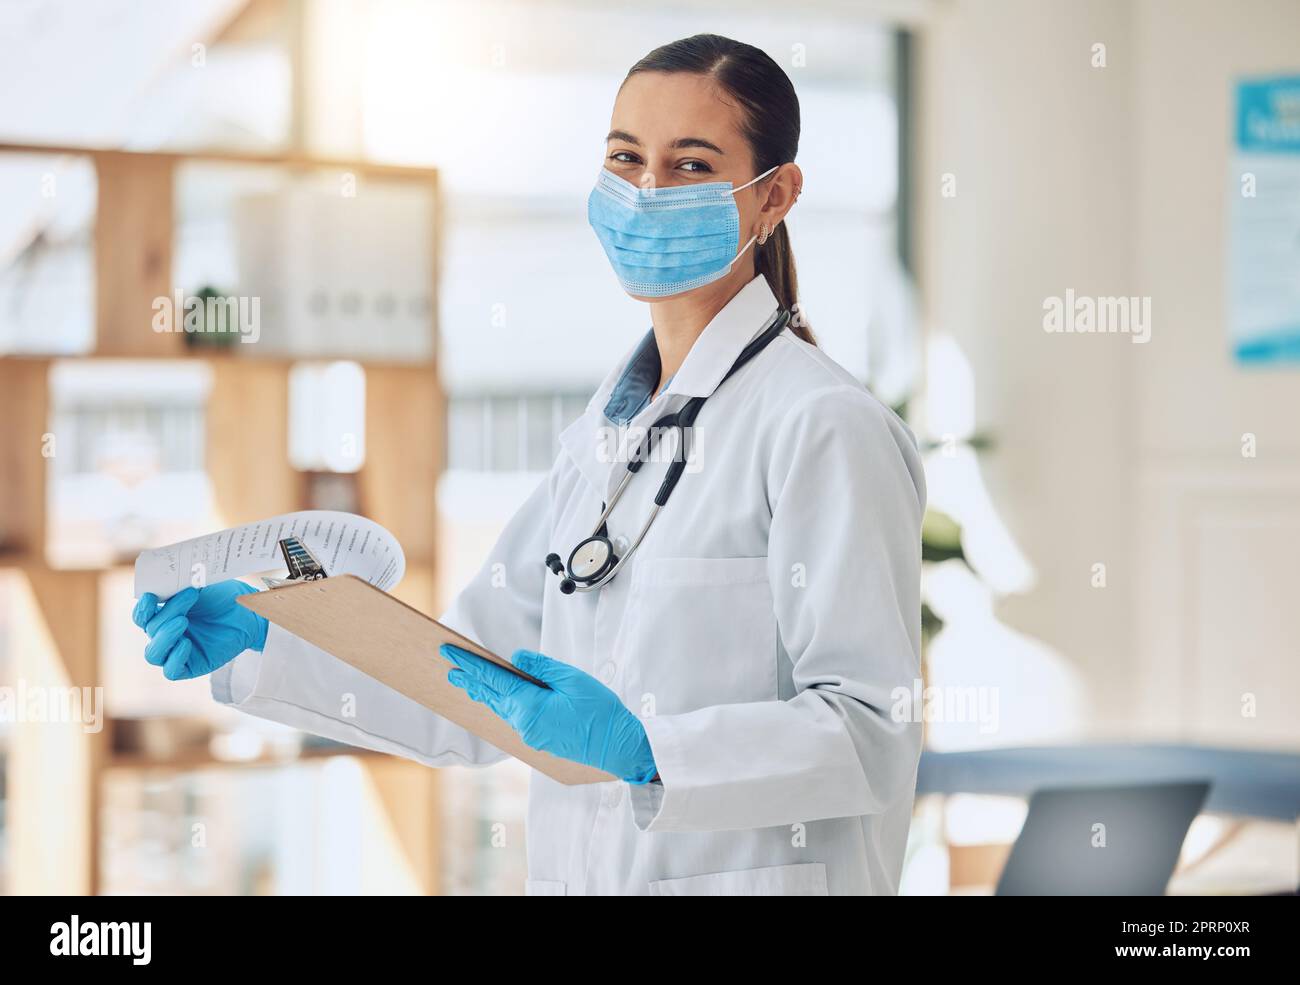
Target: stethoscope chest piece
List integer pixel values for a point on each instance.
(592, 558)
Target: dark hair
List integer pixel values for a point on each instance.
(771, 126)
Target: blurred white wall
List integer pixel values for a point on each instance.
(1114, 181)
(1217, 535)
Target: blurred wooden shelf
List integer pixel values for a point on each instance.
(419, 565)
(221, 357)
(292, 161)
(28, 560)
(188, 762)
(55, 823)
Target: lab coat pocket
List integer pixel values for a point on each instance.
(701, 632)
(804, 879)
(543, 887)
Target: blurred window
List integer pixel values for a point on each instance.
(145, 74)
(527, 303)
(509, 432)
(327, 417)
(125, 458)
(47, 276)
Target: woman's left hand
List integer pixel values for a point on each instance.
(578, 718)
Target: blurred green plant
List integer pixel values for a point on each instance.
(217, 336)
(940, 541)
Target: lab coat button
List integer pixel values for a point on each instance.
(607, 672)
(620, 545)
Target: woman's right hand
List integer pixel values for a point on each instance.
(198, 630)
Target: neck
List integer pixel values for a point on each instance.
(679, 321)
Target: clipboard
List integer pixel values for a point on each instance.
(397, 645)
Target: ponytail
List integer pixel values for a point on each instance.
(775, 261)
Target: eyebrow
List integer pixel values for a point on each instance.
(679, 143)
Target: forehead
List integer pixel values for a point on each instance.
(659, 107)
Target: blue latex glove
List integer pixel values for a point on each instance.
(579, 718)
(198, 630)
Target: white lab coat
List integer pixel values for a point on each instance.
(759, 631)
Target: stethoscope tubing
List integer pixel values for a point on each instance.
(680, 421)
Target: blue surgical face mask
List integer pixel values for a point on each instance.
(663, 241)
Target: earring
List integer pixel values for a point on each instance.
(764, 231)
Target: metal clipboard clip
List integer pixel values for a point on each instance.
(300, 562)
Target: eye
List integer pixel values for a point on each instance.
(624, 157)
(696, 167)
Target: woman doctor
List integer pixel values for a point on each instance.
(729, 654)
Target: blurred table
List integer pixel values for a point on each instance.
(1243, 782)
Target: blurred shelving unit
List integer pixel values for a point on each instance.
(57, 614)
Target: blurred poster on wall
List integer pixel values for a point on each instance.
(1264, 293)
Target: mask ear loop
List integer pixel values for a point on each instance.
(751, 181)
(741, 251)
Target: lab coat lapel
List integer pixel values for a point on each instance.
(722, 340)
(591, 440)
(584, 441)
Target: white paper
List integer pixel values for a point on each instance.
(343, 543)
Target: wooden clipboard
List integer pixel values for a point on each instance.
(397, 645)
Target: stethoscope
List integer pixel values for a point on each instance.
(594, 563)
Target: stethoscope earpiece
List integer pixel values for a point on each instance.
(567, 584)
